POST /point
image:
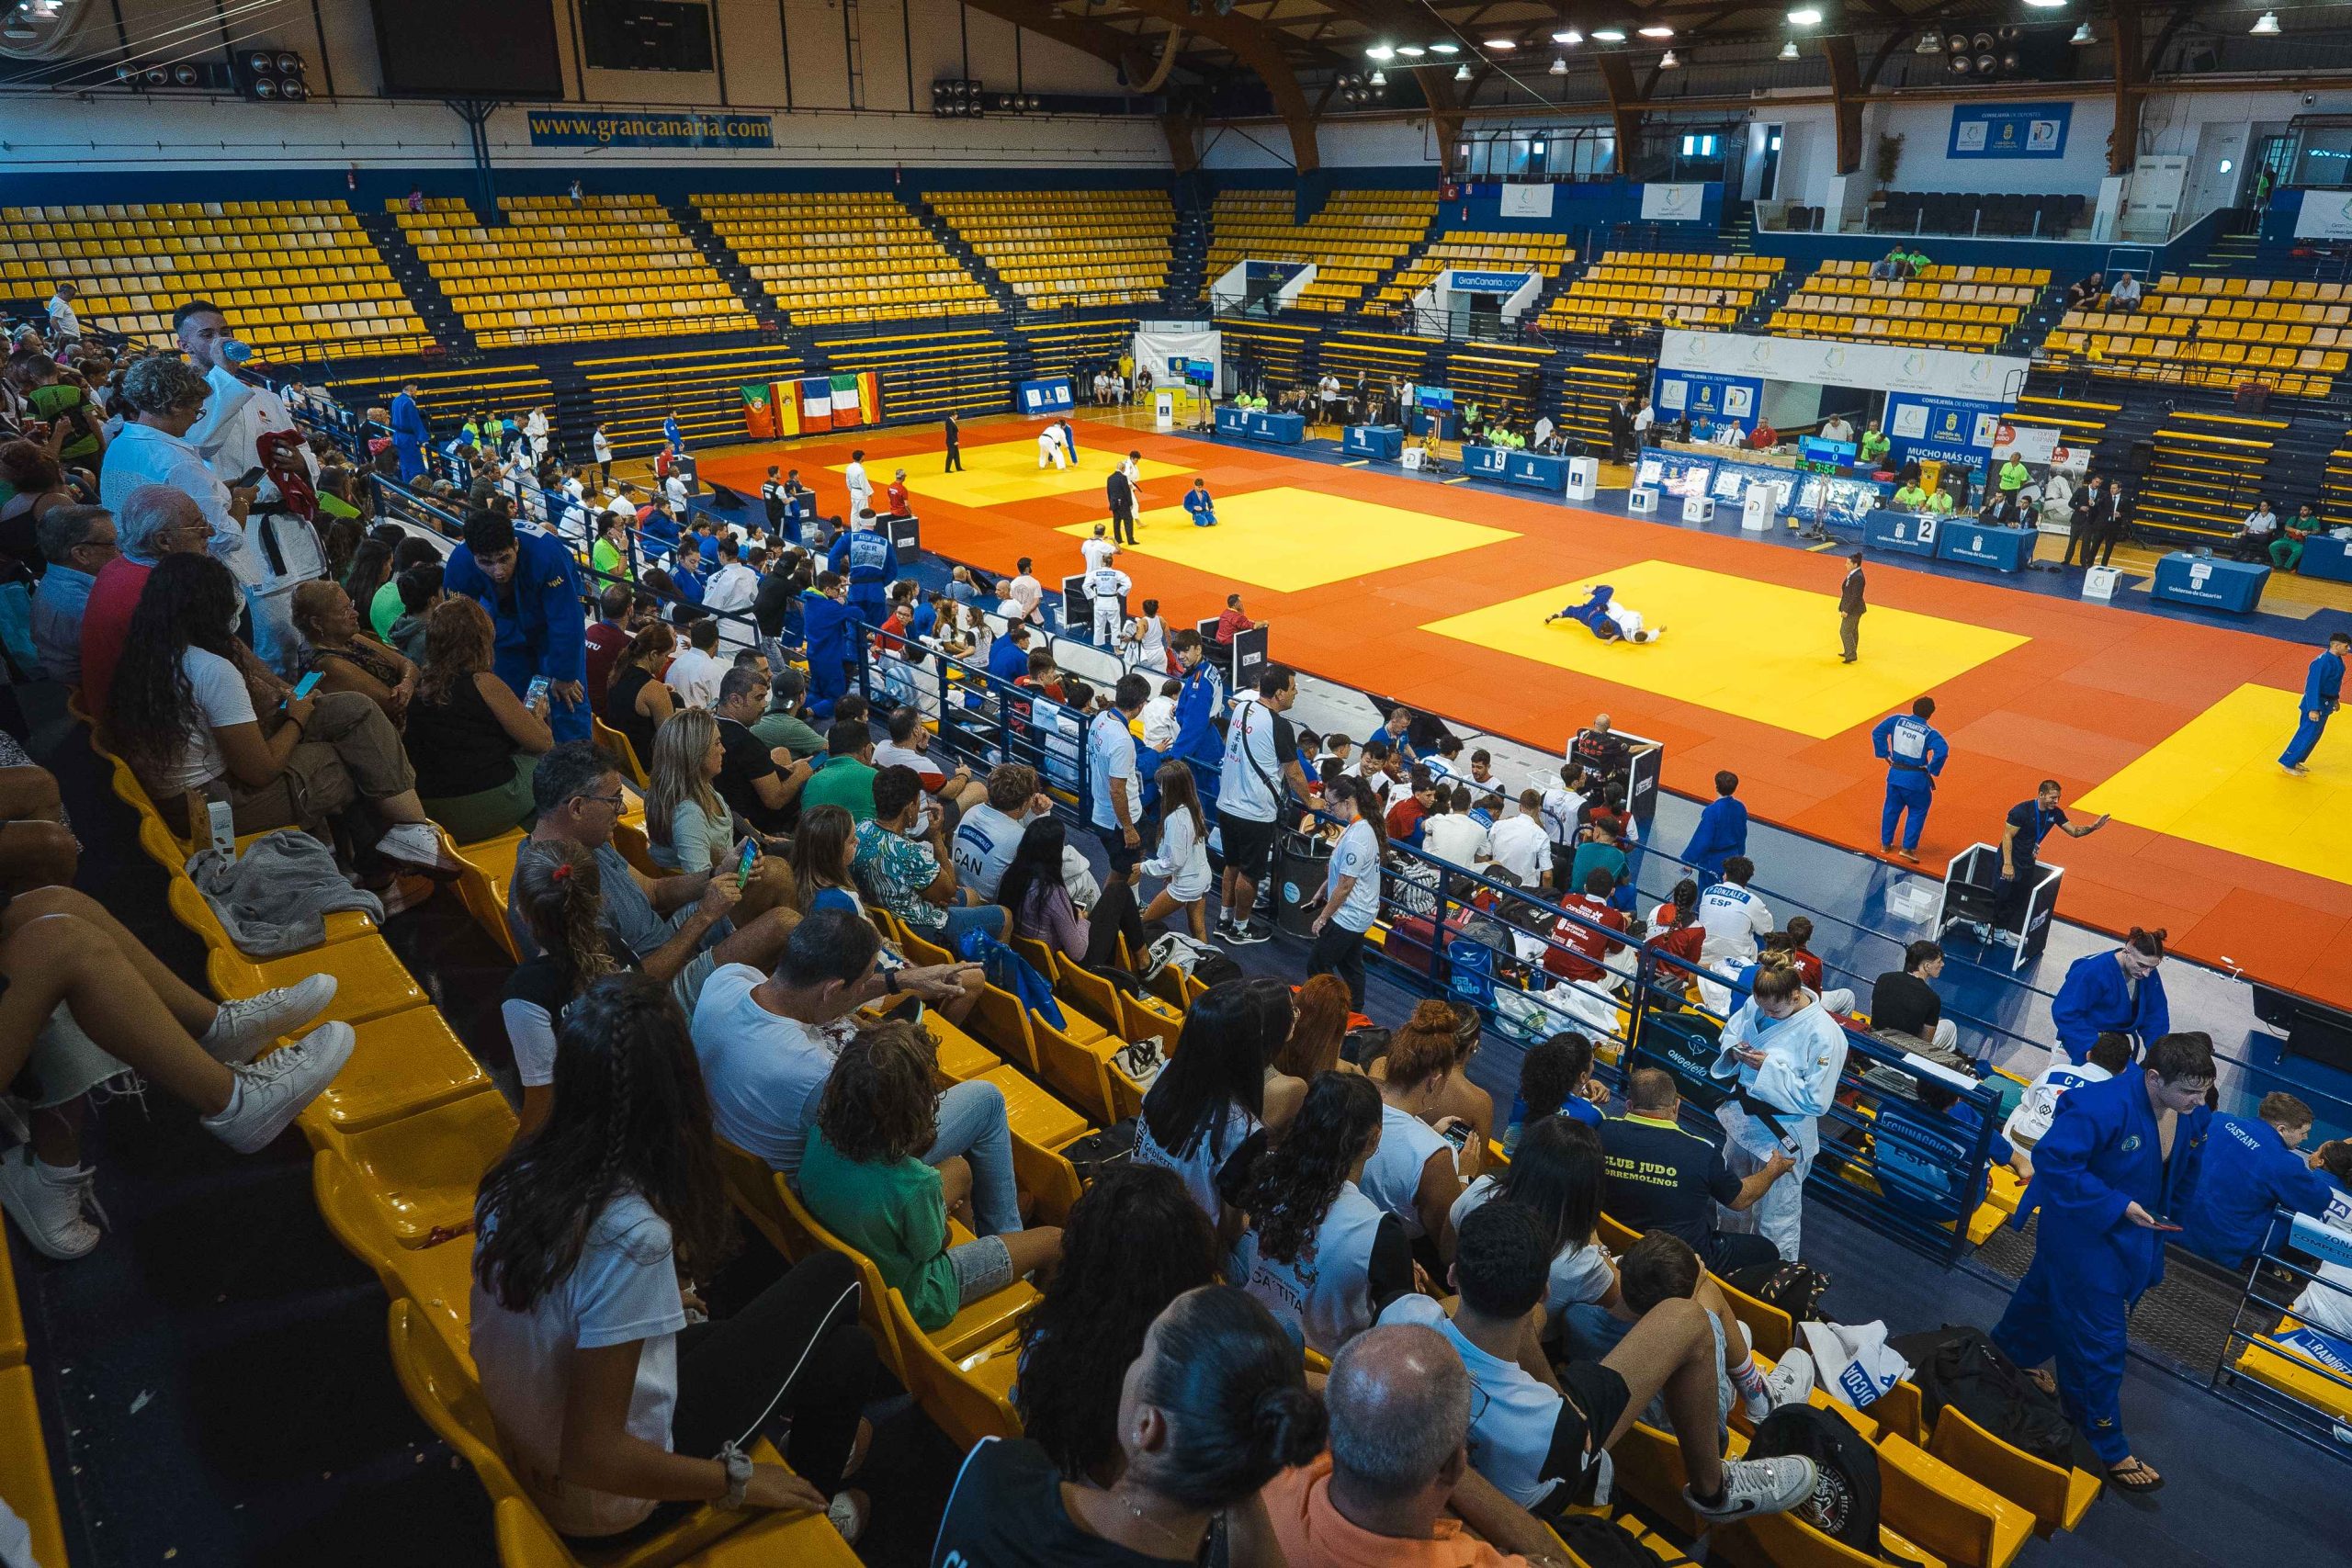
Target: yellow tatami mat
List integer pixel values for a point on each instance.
(2216, 781)
(1757, 650)
(1287, 539)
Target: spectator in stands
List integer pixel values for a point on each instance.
(163, 399)
(679, 928)
(1519, 843)
(1555, 1079)
(1453, 835)
(1785, 1054)
(2125, 295)
(1657, 1177)
(584, 1232)
(1214, 1406)
(733, 587)
(1025, 597)
(474, 743)
(2029, 1122)
(637, 703)
(63, 956)
(1903, 1000)
(1261, 770)
(2257, 533)
(784, 726)
(695, 672)
(1555, 1174)
(1406, 817)
(2287, 549)
(1042, 909)
(2111, 1172)
(343, 658)
(78, 543)
(1536, 1441)
(1732, 915)
(558, 893)
(1182, 855)
(1417, 1173)
(1601, 850)
(1318, 1031)
(2119, 989)
(2251, 1167)
(1722, 832)
(382, 607)
(612, 558)
(990, 834)
(64, 325)
(1089, 1325)
(687, 825)
(847, 779)
(1319, 1255)
(1889, 268)
(153, 521)
(606, 636)
(1580, 946)
(864, 1178)
(907, 869)
(2081, 294)
(1201, 1118)
(182, 711)
(1351, 900)
(530, 585)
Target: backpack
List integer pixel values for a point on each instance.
(1962, 1367)
(1008, 971)
(1844, 1502)
(1795, 1288)
(1684, 1044)
(1597, 1543)
(1924, 1162)
(1186, 954)
(1217, 969)
(1098, 1151)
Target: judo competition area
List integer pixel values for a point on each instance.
(1434, 594)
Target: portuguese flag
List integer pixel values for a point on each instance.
(759, 410)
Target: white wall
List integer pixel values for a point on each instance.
(890, 125)
(1380, 144)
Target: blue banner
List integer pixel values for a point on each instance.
(1945, 429)
(1489, 282)
(2009, 131)
(1707, 399)
(676, 130)
(1050, 396)
(1261, 271)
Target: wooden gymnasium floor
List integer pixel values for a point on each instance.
(1435, 594)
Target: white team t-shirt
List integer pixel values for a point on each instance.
(1357, 854)
(222, 700)
(765, 1073)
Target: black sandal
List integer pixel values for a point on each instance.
(2135, 1475)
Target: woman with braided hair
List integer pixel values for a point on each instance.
(1322, 1257)
(617, 1412)
(559, 894)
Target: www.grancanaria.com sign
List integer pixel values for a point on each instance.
(669, 129)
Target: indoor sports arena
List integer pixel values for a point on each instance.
(1314, 783)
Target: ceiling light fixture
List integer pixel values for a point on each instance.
(1609, 35)
(1806, 16)
(1502, 45)
(1559, 66)
(1657, 29)
(1462, 71)
(1569, 38)
(1445, 48)
(2047, 5)
(2266, 25)
(1411, 50)
(2083, 34)
(1669, 61)
(1929, 43)
(1789, 49)
(1380, 51)
(1380, 78)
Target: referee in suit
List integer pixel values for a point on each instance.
(1120, 491)
(955, 449)
(1850, 605)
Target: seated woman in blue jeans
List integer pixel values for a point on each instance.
(902, 861)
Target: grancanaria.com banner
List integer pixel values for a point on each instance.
(669, 129)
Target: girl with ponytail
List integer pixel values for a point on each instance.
(1214, 1407)
(615, 1412)
(1351, 888)
(1319, 1255)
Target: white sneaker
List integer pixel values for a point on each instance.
(245, 1025)
(57, 1210)
(271, 1093)
(416, 843)
(1757, 1486)
(1791, 1380)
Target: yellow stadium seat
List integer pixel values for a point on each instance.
(25, 1480)
(2056, 1498)
(405, 1061)
(968, 1396)
(421, 1170)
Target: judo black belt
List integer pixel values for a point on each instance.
(1769, 1115)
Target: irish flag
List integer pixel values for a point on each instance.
(759, 410)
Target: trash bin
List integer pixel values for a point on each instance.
(1301, 865)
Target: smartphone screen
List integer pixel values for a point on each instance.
(1458, 1134)
(303, 687)
(538, 689)
(743, 866)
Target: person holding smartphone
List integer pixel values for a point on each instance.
(2118, 1161)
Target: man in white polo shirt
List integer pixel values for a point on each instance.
(1114, 781)
(1260, 767)
(1519, 843)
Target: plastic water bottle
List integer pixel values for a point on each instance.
(236, 351)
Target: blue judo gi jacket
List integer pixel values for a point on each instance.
(2094, 999)
(2247, 1171)
(541, 628)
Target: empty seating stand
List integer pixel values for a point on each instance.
(631, 395)
(1478, 251)
(1666, 287)
(2205, 472)
(1505, 380)
(1281, 347)
(290, 273)
(829, 259)
(611, 266)
(927, 374)
(1971, 308)
(1588, 386)
(1076, 349)
(1384, 358)
(2207, 331)
(1358, 236)
(1065, 249)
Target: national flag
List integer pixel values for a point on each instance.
(846, 409)
(785, 398)
(817, 403)
(759, 410)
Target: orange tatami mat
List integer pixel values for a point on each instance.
(1434, 594)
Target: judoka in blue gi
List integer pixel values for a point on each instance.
(1606, 619)
(1198, 502)
(2323, 689)
(2118, 1158)
(408, 432)
(1197, 696)
(868, 563)
(829, 623)
(2253, 1166)
(1915, 753)
(530, 584)
(2119, 989)
(672, 435)
(1722, 832)
(1009, 654)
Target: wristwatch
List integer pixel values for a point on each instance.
(890, 982)
(739, 1475)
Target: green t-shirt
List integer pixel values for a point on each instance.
(385, 608)
(1941, 501)
(774, 729)
(844, 782)
(1910, 498)
(1873, 446)
(895, 1214)
(2014, 476)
